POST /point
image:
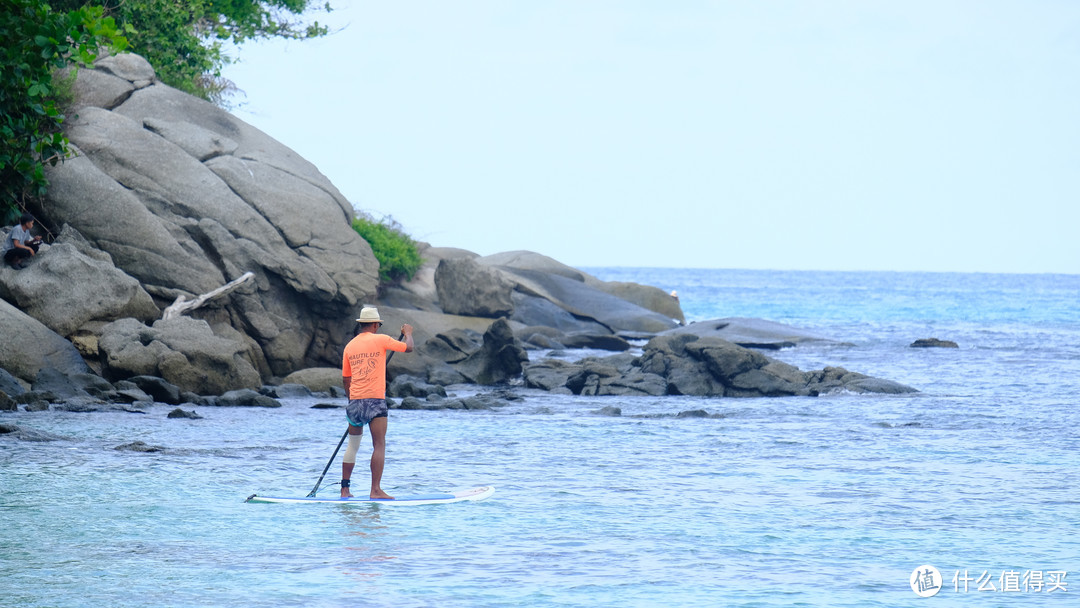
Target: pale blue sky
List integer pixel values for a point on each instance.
(841, 135)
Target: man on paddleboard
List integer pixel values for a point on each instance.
(363, 371)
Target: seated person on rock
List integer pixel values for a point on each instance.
(20, 245)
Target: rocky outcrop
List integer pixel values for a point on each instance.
(28, 346)
(64, 288)
(183, 351)
(687, 365)
(170, 197)
(533, 290)
(185, 197)
(498, 359)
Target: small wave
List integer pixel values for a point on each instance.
(898, 425)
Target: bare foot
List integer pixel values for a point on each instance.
(381, 495)
(345, 493)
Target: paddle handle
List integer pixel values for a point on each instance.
(331, 461)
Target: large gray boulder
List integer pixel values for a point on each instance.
(530, 260)
(468, 288)
(420, 292)
(583, 302)
(453, 346)
(64, 289)
(28, 345)
(645, 296)
(127, 66)
(536, 311)
(183, 351)
(97, 88)
(185, 197)
(317, 379)
(10, 384)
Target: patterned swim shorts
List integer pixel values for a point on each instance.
(362, 411)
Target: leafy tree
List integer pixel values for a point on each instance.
(185, 40)
(36, 41)
(397, 253)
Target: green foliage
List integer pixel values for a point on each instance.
(397, 253)
(185, 40)
(36, 41)
(182, 39)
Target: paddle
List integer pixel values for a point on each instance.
(311, 494)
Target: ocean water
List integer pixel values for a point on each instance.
(828, 501)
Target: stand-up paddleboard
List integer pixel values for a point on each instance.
(398, 501)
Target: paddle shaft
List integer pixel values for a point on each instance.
(342, 441)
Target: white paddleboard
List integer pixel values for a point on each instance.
(399, 501)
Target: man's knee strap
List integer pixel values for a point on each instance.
(350, 452)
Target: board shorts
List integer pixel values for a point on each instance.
(362, 411)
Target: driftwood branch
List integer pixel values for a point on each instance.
(182, 304)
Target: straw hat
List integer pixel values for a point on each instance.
(369, 314)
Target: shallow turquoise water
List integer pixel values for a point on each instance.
(800, 501)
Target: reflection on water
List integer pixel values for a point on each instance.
(365, 536)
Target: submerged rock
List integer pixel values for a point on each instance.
(286, 391)
(410, 386)
(139, 446)
(933, 343)
(246, 397)
(481, 401)
(159, 389)
(751, 333)
(24, 434)
(180, 413)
